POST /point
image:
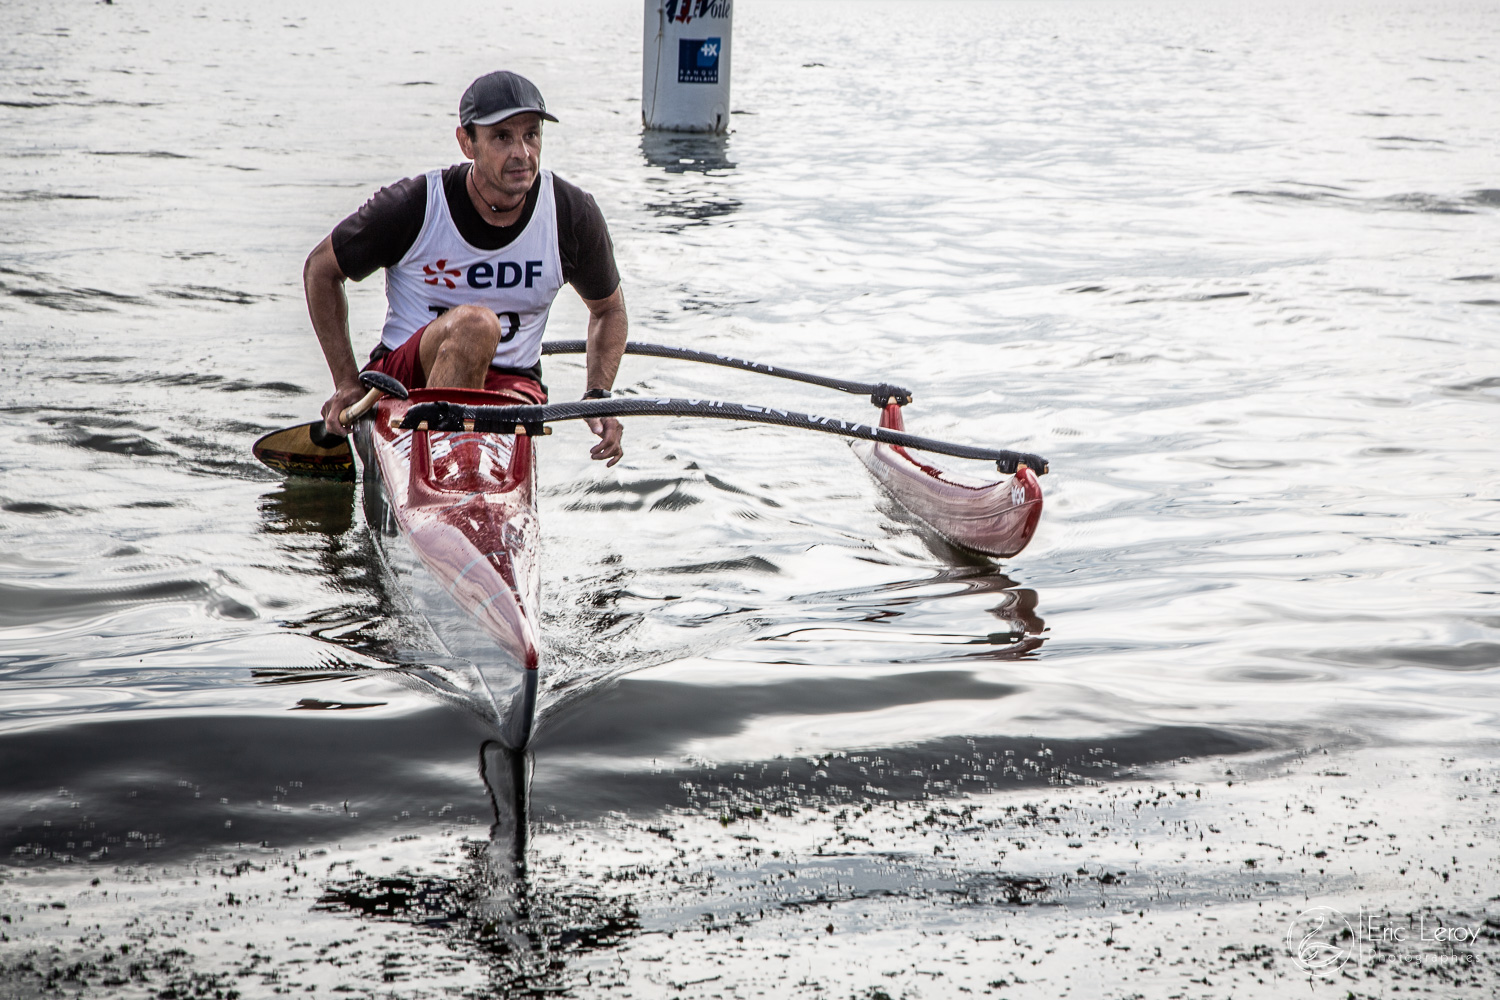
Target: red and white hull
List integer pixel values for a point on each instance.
(993, 518)
(455, 515)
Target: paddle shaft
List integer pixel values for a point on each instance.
(445, 416)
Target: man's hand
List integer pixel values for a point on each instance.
(609, 431)
(340, 401)
(608, 329)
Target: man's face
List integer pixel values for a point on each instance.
(507, 155)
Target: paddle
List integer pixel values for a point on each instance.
(445, 416)
(311, 450)
(880, 393)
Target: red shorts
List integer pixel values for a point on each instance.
(404, 364)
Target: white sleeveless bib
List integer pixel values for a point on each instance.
(442, 270)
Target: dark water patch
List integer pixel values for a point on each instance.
(940, 768)
(1248, 464)
(149, 505)
(108, 102)
(134, 445)
(318, 705)
(149, 154)
(39, 508)
(695, 210)
(245, 428)
(1407, 138)
(678, 499)
(1477, 388)
(1274, 675)
(1481, 302)
(1489, 197)
(224, 606)
(219, 383)
(36, 196)
(208, 293)
(1390, 452)
(166, 779)
(418, 83)
(1210, 296)
(305, 675)
(748, 564)
(1468, 656)
(1416, 201)
(65, 299)
(638, 490)
(209, 380)
(1476, 277)
(14, 103)
(714, 303)
(90, 417)
(727, 487)
(26, 605)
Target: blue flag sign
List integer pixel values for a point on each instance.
(698, 60)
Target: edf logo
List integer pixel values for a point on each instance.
(698, 60)
(501, 275)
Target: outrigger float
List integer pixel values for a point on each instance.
(450, 492)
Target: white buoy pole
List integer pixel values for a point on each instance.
(685, 65)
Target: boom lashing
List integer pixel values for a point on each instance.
(885, 393)
(439, 415)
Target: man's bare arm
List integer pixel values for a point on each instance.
(328, 307)
(608, 331)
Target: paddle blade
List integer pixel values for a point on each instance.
(293, 451)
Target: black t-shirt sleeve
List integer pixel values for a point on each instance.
(588, 255)
(384, 228)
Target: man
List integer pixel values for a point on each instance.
(474, 255)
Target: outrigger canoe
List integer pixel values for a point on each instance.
(450, 492)
(455, 516)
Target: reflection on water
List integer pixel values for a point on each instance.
(697, 195)
(308, 506)
(685, 152)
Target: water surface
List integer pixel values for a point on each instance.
(1231, 270)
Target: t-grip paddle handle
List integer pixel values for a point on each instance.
(379, 384)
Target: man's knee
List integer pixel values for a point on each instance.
(467, 328)
(474, 323)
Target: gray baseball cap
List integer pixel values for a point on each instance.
(497, 96)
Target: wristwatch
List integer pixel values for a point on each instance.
(597, 394)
